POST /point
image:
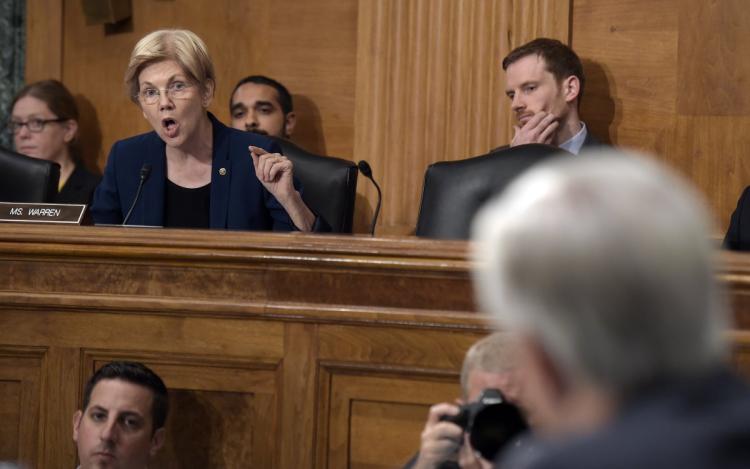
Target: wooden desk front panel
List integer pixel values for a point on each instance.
(279, 351)
(244, 393)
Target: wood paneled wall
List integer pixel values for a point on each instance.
(400, 83)
(404, 83)
(670, 78)
(429, 87)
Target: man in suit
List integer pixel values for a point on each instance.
(544, 80)
(262, 105)
(489, 363)
(121, 423)
(602, 268)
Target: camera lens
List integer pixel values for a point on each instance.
(494, 426)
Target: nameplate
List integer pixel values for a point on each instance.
(42, 213)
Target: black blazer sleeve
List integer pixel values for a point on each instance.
(738, 234)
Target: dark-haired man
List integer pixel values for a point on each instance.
(545, 82)
(262, 105)
(121, 424)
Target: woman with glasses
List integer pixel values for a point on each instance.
(191, 170)
(44, 122)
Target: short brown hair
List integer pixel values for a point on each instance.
(54, 94)
(180, 45)
(560, 59)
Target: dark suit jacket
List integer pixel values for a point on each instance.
(238, 199)
(703, 424)
(79, 188)
(738, 234)
(588, 143)
(591, 141)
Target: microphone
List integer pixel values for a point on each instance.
(145, 173)
(364, 168)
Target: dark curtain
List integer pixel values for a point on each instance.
(12, 50)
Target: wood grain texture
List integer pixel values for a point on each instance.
(310, 48)
(61, 393)
(668, 78)
(378, 273)
(712, 51)
(298, 391)
(44, 32)
(261, 379)
(429, 87)
(21, 375)
(374, 419)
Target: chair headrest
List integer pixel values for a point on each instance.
(455, 190)
(329, 184)
(26, 179)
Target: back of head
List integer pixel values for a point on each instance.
(180, 45)
(560, 59)
(135, 373)
(606, 260)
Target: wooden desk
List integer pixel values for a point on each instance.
(279, 350)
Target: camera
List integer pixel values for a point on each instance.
(491, 422)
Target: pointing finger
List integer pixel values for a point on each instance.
(257, 150)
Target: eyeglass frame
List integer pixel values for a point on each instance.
(169, 91)
(15, 127)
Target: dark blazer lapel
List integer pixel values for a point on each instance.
(590, 140)
(152, 197)
(221, 175)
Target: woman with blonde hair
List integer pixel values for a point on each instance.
(44, 123)
(194, 171)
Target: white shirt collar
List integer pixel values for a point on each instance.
(575, 143)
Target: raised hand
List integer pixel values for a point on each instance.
(274, 171)
(540, 128)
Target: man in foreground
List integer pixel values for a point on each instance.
(603, 269)
(121, 424)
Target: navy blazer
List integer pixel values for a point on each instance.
(238, 199)
(693, 424)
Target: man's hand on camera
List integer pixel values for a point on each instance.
(441, 440)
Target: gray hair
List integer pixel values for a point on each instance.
(492, 354)
(606, 259)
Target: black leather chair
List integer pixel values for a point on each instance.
(25, 179)
(455, 190)
(329, 185)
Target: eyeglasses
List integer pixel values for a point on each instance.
(175, 90)
(34, 125)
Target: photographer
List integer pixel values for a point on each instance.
(488, 364)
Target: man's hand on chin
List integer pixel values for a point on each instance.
(540, 128)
